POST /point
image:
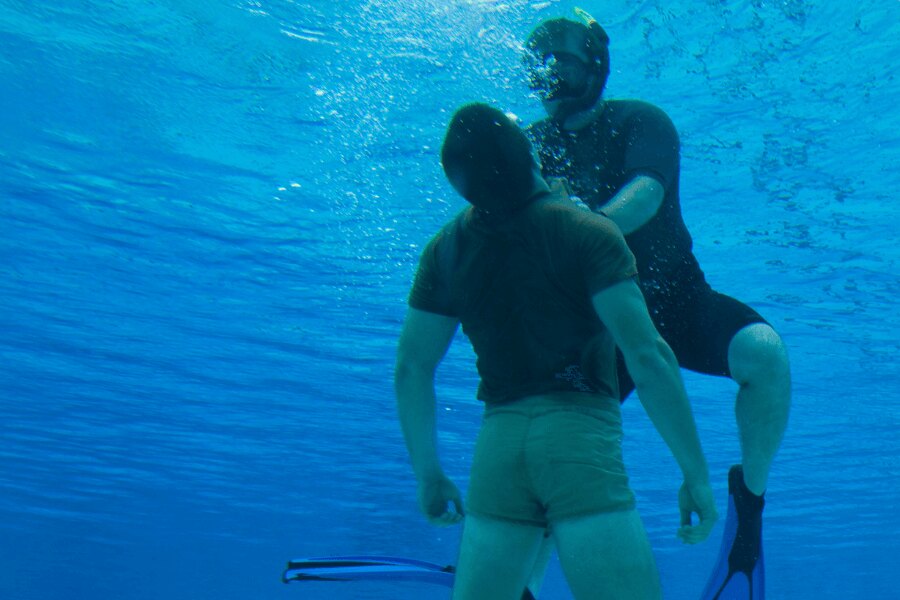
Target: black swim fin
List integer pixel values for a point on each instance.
(739, 573)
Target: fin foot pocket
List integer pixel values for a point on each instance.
(739, 573)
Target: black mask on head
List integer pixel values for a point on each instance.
(558, 73)
(489, 160)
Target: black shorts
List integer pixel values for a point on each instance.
(699, 331)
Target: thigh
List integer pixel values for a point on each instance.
(711, 322)
(536, 579)
(607, 556)
(495, 559)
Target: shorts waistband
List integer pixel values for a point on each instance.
(555, 400)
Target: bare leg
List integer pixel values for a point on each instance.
(607, 556)
(536, 580)
(759, 364)
(495, 559)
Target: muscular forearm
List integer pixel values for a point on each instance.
(416, 408)
(635, 204)
(661, 391)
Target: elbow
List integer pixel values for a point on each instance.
(403, 371)
(407, 370)
(649, 360)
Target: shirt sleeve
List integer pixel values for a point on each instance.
(652, 146)
(430, 290)
(605, 257)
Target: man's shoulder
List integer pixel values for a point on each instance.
(449, 230)
(631, 104)
(569, 217)
(628, 108)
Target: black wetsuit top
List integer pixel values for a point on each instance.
(632, 138)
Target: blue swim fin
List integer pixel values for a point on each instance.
(369, 568)
(740, 570)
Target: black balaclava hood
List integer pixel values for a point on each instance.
(488, 159)
(560, 35)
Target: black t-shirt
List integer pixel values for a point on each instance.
(628, 139)
(522, 291)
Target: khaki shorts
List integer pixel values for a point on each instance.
(543, 459)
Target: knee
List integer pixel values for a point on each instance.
(758, 356)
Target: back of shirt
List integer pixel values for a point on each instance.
(522, 291)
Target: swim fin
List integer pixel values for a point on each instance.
(370, 568)
(740, 570)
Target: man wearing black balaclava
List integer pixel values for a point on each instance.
(545, 292)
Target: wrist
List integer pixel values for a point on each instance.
(430, 473)
(697, 474)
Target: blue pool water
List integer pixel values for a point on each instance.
(210, 215)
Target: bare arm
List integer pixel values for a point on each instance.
(654, 369)
(635, 204)
(423, 344)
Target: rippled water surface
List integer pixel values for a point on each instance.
(210, 215)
